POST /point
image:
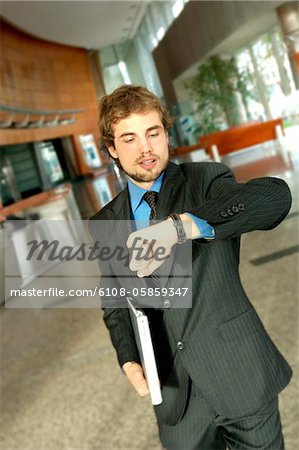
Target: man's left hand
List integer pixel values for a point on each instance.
(151, 246)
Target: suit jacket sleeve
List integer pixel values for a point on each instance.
(117, 319)
(233, 208)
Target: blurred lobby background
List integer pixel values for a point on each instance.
(229, 73)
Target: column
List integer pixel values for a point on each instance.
(284, 78)
(288, 16)
(260, 85)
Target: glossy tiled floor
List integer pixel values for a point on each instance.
(62, 388)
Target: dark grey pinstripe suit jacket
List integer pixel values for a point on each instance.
(227, 352)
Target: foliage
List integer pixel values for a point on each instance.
(206, 94)
(213, 90)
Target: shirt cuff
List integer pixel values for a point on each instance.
(206, 230)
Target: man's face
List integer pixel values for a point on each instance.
(141, 146)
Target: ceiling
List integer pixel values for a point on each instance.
(89, 24)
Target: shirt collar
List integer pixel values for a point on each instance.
(136, 192)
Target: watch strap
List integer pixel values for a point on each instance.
(182, 238)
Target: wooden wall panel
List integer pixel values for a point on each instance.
(42, 75)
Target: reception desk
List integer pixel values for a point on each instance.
(221, 143)
(44, 205)
(224, 142)
(57, 204)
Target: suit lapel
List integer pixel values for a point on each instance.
(172, 192)
(120, 207)
(171, 200)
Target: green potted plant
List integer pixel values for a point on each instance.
(219, 91)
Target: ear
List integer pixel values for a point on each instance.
(167, 136)
(112, 151)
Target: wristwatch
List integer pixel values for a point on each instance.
(182, 238)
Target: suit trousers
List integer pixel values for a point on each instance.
(202, 429)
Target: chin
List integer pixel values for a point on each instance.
(145, 177)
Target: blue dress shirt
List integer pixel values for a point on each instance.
(141, 210)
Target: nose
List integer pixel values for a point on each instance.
(145, 146)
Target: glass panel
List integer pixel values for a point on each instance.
(51, 163)
(270, 79)
(89, 146)
(112, 78)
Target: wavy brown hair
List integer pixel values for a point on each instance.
(125, 100)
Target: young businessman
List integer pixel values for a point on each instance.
(220, 372)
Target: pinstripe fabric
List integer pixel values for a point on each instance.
(201, 428)
(260, 430)
(226, 351)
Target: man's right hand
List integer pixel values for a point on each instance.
(135, 374)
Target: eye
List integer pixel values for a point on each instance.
(130, 140)
(153, 135)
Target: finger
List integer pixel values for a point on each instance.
(136, 238)
(142, 267)
(136, 264)
(138, 380)
(153, 265)
(147, 271)
(143, 272)
(141, 257)
(141, 385)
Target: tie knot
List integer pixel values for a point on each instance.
(151, 198)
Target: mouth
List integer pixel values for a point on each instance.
(148, 163)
